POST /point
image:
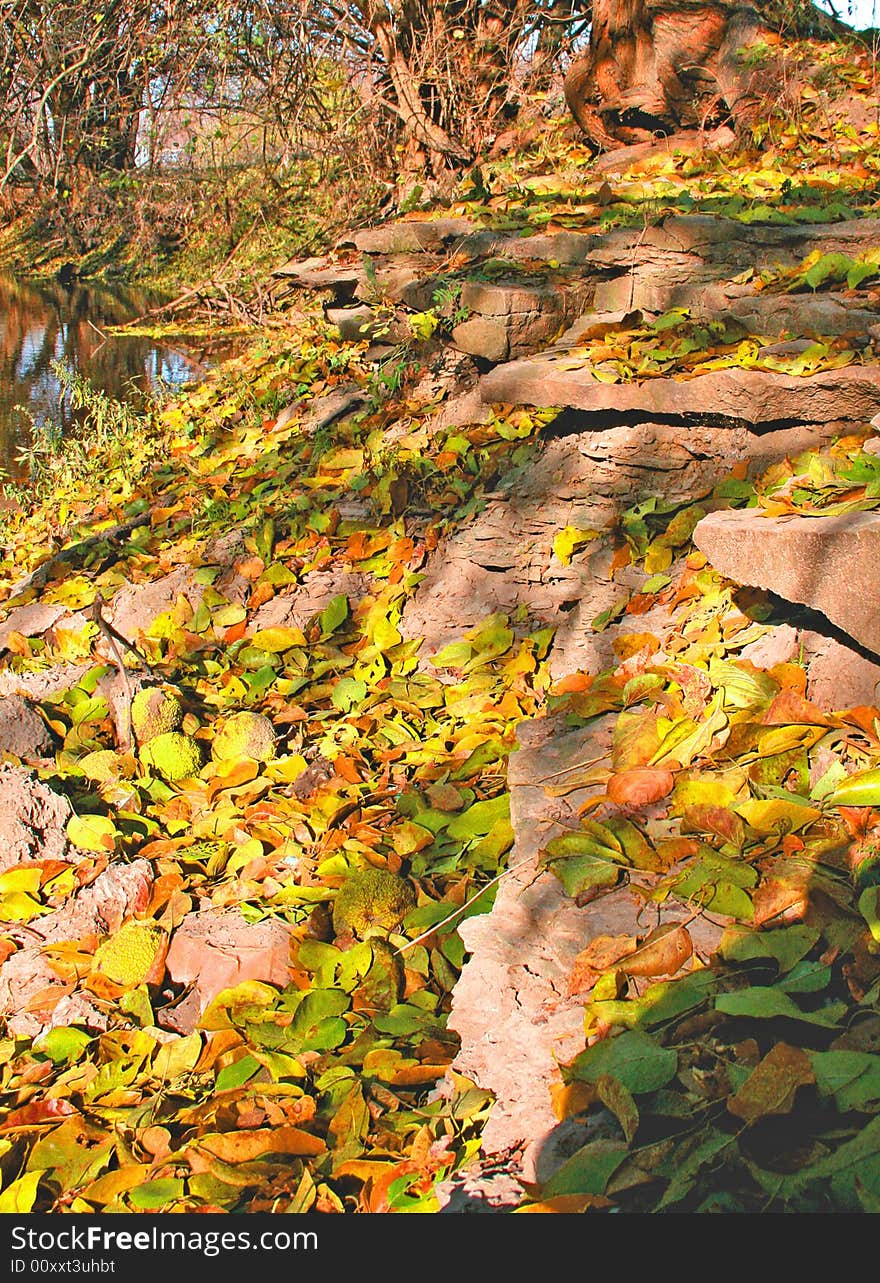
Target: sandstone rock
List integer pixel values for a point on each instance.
(502, 560)
(484, 337)
(215, 949)
(683, 261)
(353, 323)
(134, 608)
(686, 141)
(512, 1007)
(32, 620)
(99, 909)
(32, 819)
(839, 677)
(45, 682)
(846, 396)
(341, 280)
(407, 236)
(23, 733)
(298, 606)
(527, 312)
(826, 563)
(571, 249)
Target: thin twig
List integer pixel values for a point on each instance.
(411, 944)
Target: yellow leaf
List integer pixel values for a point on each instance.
(16, 906)
(109, 1186)
(286, 769)
(21, 1195)
(569, 539)
(278, 639)
(683, 742)
(226, 616)
(20, 879)
(657, 558)
(775, 815)
(92, 832)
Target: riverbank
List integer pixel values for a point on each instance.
(182, 229)
(475, 813)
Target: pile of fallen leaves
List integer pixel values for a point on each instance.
(323, 1094)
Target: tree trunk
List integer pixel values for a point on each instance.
(657, 65)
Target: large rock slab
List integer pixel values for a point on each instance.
(33, 996)
(503, 559)
(689, 255)
(826, 563)
(753, 397)
(512, 317)
(513, 1006)
(407, 236)
(23, 733)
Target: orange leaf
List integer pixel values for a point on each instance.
(250, 567)
(347, 767)
(235, 632)
(640, 786)
(244, 1146)
(772, 1085)
(414, 1075)
(37, 1113)
(789, 707)
(260, 595)
(568, 1099)
(663, 953)
(573, 682)
(217, 1045)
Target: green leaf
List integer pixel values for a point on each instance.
(786, 944)
(588, 1171)
(316, 1025)
(687, 1170)
(348, 693)
(830, 267)
(769, 1003)
(637, 1062)
(333, 614)
(64, 1042)
(660, 1003)
(857, 790)
(479, 819)
(869, 908)
(851, 1077)
(238, 1073)
(153, 1195)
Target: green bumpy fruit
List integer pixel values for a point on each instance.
(128, 957)
(245, 735)
(370, 901)
(173, 756)
(102, 766)
(155, 712)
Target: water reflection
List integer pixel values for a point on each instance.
(42, 322)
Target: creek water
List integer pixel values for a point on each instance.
(43, 322)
